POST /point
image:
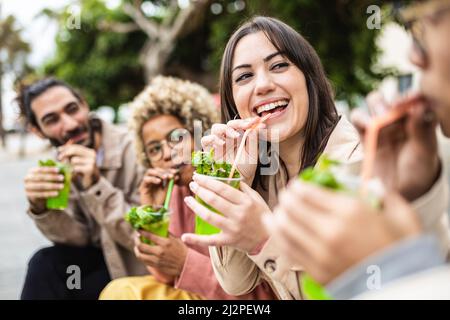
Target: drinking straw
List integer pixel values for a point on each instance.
(242, 145)
(169, 194)
(372, 134)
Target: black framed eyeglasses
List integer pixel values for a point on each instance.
(415, 17)
(175, 137)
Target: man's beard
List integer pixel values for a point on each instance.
(89, 142)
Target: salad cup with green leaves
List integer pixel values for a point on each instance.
(328, 173)
(153, 219)
(325, 174)
(206, 165)
(61, 201)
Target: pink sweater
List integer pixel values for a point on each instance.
(198, 275)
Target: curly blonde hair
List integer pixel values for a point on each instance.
(185, 100)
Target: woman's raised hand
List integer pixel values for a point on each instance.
(154, 184)
(225, 140)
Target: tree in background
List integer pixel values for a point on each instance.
(102, 64)
(115, 51)
(13, 52)
(163, 33)
(111, 53)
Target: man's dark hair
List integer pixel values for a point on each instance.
(27, 93)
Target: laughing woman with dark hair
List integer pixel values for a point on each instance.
(267, 69)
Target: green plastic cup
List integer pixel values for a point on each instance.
(312, 289)
(159, 228)
(61, 201)
(203, 227)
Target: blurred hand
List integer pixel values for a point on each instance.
(167, 255)
(154, 185)
(225, 140)
(42, 183)
(407, 158)
(241, 225)
(328, 232)
(83, 162)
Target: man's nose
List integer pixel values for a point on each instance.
(69, 123)
(417, 56)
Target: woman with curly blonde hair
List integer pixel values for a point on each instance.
(162, 122)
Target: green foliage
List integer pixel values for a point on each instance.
(13, 48)
(102, 64)
(105, 65)
(13, 54)
(336, 29)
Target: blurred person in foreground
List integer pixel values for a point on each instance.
(90, 233)
(409, 261)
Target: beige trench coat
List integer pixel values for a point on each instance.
(96, 216)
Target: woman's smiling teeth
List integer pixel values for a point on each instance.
(271, 107)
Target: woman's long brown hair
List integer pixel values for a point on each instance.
(322, 114)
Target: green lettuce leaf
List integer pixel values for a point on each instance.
(139, 217)
(322, 175)
(205, 164)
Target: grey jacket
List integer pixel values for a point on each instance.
(404, 260)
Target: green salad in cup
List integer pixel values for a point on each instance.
(205, 164)
(324, 175)
(61, 201)
(152, 219)
(321, 175)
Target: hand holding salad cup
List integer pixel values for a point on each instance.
(163, 254)
(236, 213)
(325, 227)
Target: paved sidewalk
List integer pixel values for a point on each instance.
(19, 237)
